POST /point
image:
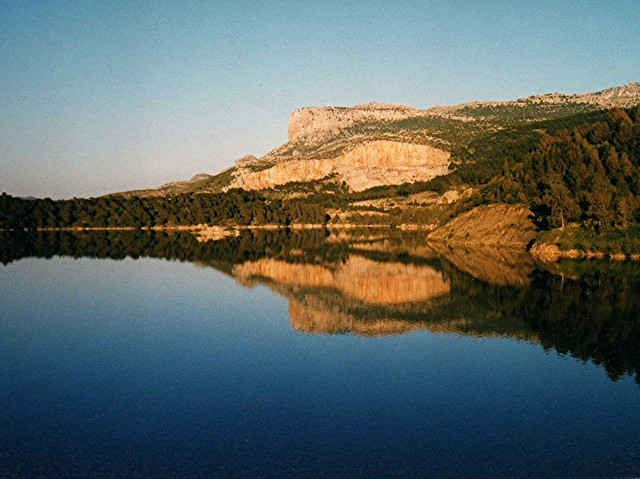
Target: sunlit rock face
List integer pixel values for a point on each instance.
(358, 278)
(367, 165)
(317, 122)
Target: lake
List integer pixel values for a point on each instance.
(310, 354)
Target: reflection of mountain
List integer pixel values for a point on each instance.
(397, 285)
(311, 315)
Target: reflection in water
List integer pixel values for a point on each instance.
(497, 266)
(358, 278)
(395, 283)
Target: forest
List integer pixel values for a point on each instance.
(233, 207)
(589, 175)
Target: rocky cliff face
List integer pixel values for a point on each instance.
(314, 123)
(383, 144)
(366, 165)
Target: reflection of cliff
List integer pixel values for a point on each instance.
(375, 298)
(357, 278)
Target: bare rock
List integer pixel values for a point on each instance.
(314, 123)
(499, 225)
(369, 164)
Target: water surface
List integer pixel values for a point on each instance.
(285, 354)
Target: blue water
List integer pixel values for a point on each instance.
(155, 368)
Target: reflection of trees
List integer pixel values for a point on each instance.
(595, 317)
(591, 314)
(305, 246)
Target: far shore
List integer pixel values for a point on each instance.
(202, 227)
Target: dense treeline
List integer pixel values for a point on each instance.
(588, 174)
(236, 206)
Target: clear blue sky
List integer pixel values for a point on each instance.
(104, 96)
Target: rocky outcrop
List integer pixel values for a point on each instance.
(314, 123)
(366, 165)
(491, 225)
(247, 160)
(616, 97)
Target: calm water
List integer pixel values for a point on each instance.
(292, 355)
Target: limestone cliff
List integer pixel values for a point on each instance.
(620, 96)
(315, 123)
(367, 165)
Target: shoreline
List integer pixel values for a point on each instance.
(552, 253)
(270, 226)
(544, 252)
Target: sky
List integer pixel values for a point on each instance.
(97, 97)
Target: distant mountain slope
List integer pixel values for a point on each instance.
(376, 144)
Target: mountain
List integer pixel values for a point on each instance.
(376, 144)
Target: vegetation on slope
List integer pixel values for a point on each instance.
(589, 175)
